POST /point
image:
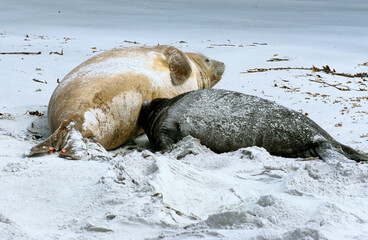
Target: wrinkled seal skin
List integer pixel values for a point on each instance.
(226, 121)
(100, 99)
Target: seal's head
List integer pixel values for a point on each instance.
(210, 68)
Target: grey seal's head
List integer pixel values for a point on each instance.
(150, 116)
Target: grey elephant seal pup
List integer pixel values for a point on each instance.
(225, 121)
(100, 99)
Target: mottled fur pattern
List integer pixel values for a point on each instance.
(226, 121)
(100, 99)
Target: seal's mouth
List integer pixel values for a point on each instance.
(219, 70)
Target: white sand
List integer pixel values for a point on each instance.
(132, 193)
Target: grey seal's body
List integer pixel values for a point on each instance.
(226, 121)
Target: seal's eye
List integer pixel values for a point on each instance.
(207, 60)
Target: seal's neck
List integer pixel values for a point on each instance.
(203, 80)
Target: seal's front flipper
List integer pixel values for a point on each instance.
(179, 65)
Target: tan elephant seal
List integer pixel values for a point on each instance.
(100, 99)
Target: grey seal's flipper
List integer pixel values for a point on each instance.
(353, 154)
(335, 150)
(179, 65)
(169, 135)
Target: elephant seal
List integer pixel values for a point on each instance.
(101, 98)
(226, 121)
